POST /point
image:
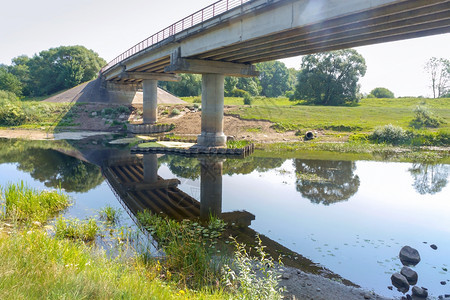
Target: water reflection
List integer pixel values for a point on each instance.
(429, 178)
(326, 181)
(54, 168)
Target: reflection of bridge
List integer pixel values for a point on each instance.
(227, 37)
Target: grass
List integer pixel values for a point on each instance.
(24, 204)
(110, 214)
(237, 144)
(85, 230)
(369, 114)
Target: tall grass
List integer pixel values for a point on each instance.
(85, 230)
(24, 204)
(191, 254)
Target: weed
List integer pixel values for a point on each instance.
(24, 204)
(190, 248)
(248, 99)
(252, 277)
(175, 112)
(425, 118)
(110, 214)
(237, 144)
(85, 230)
(390, 134)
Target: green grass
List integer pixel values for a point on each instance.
(365, 117)
(25, 205)
(85, 230)
(110, 214)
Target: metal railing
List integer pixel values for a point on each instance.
(198, 17)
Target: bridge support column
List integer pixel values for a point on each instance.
(210, 188)
(212, 111)
(150, 162)
(150, 101)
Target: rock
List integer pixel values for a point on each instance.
(410, 275)
(36, 223)
(409, 256)
(400, 282)
(419, 292)
(318, 289)
(285, 276)
(390, 287)
(231, 138)
(433, 246)
(443, 282)
(367, 296)
(94, 114)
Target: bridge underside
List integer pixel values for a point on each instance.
(264, 30)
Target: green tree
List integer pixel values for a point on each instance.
(330, 78)
(250, 85)
(381, 92)
(439, 70)
(230, 85)
(56, 69)
(9, 82)
(189, 85)
(274, 78)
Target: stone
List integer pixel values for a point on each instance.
(285, 276)
(409, 256)
(318, 289)
(443, 282)
(390, 287)
(94, 114)
(410, 275)
(419, 292)
(433, 246)
(367, 296)
(400, 282)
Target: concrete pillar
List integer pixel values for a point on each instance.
(150, 163)
(150, 102)
(212, 111)
(210, 188)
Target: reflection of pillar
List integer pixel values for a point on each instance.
(150, 168)
(212, 111)
(150, 101)
(210, 188)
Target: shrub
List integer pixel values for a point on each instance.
(175, 112)
(389, 134)
(238, 93)
(381, 92)
(11, 113)
(425, 118)
(247, 99)
(6, 95)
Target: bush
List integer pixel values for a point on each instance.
(9, 96)
(175, 112)
(425, 118)
(381, 92)
(247, 99)
(238, 93)
(11, 113)
(290, 95)
(389, 134)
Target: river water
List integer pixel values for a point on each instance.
(351, 217)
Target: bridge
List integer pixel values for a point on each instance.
(228, 37)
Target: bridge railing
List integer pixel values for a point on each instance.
(198, 17)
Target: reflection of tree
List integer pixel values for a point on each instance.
(189, 168)
(325, 181)
(52, 167)
(429, 179)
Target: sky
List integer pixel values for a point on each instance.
(109, 27)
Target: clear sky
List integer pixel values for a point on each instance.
(109, 27)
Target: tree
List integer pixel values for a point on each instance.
(250, 85)
(331, 78)
(439, 70)
(381, 92)
(189, 85)
(230, 85)
(429, 178)
(274, 78)
(56, 69)
(9, 82)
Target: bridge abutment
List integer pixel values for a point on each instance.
(212, 111)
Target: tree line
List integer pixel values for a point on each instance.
(328, 78)
(50, 71)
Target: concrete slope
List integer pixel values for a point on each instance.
(93, 91)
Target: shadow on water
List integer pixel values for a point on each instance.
(326, 181)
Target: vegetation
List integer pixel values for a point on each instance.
(189, 85)
(110, 214)
(24, 204)
(51, 71)
(381, 92)
(331, 78)
(389, 134)
(425, 118)
(439, 70)
(85, 230)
